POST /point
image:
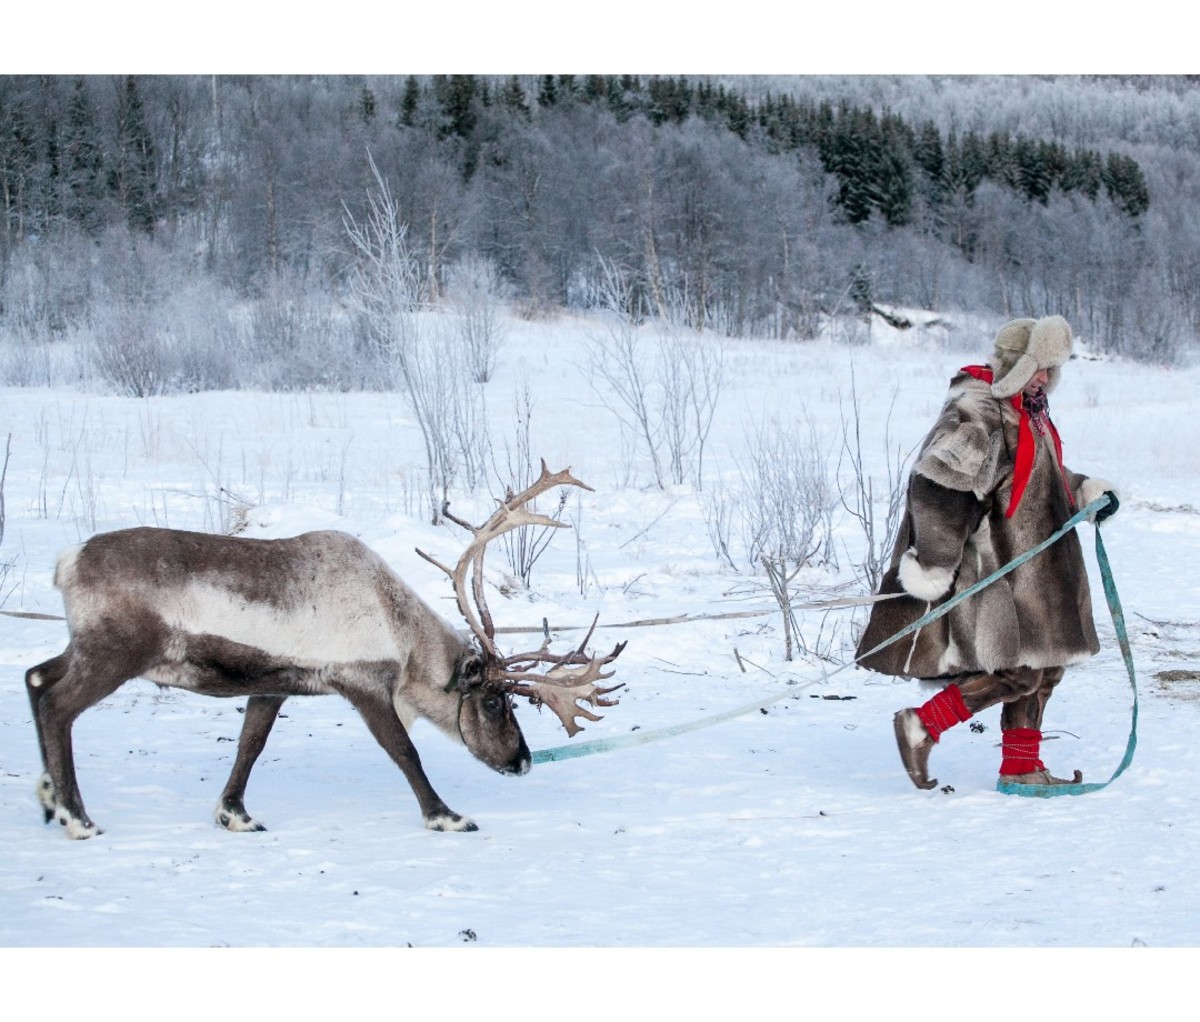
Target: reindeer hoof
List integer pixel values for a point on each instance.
(77, 829)
(450, 821)
(238, 821)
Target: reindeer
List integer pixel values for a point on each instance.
(315, 614)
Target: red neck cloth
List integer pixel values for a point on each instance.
(1023, 465)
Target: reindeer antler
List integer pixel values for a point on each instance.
(571, 676)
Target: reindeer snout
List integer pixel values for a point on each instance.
(519, 765)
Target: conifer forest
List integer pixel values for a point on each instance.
(183, 233)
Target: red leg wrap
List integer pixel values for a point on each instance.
(943, 711)
(1021, 748)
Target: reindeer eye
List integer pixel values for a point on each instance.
(493, 703)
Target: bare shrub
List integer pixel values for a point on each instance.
(386, 292)
(48, 287)
(662, 388)
(692, 371)
(585, 575)
(27, 361)
(786, 509)
(473, 292)
(386, 284)
(787, 495)
(206, 346)
(619, 370)
(870, 491)
(292, 339)
(130, 353)
(157, 324)
(523, 547)
(415, 348)
(452, 406)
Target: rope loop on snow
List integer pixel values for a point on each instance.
(1118, 618)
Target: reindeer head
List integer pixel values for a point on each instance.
(559, 681)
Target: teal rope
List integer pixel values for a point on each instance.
(645, 737)
(1118, 617)
(599, 745)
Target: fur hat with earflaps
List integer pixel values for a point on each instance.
(1026, 345)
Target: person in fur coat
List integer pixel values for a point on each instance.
(988, 483)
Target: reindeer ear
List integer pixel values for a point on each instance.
(468, 672)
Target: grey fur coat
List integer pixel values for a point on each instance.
(955, 531)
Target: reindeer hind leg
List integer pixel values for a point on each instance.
(63, 695)
(261, 713)
(37, 681)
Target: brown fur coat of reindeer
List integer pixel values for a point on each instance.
(311, 615)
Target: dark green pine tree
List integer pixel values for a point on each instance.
(457, 95)
(18, 168)
(80, 160)
(1000, 161)
(738, 117)
(409, 99)
(1033, 173)
(846, 153)
(776, 124)
(366, 104)
(972, 162)
(596, 88)
(133, 176)
(459, 99)
(547, 91)
(670, 100)
(930, 157)
(892, 147)
(567, 87)
(861, 291)
(625, 97)
(1083, 172)
(511, 98)
(894, 187)
(1125, 184)
(1054, 159)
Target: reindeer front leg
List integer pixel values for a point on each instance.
(383, 723)
(261, 714)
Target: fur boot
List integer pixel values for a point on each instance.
(915, 744)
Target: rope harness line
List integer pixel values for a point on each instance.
(545, 627)
(599, 745)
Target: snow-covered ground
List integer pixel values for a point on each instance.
(793, 826)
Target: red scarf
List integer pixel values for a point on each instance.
(1023, 463)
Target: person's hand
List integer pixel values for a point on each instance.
(1110, 508)
(1090, 491)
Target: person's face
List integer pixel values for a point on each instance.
(1037, 383)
